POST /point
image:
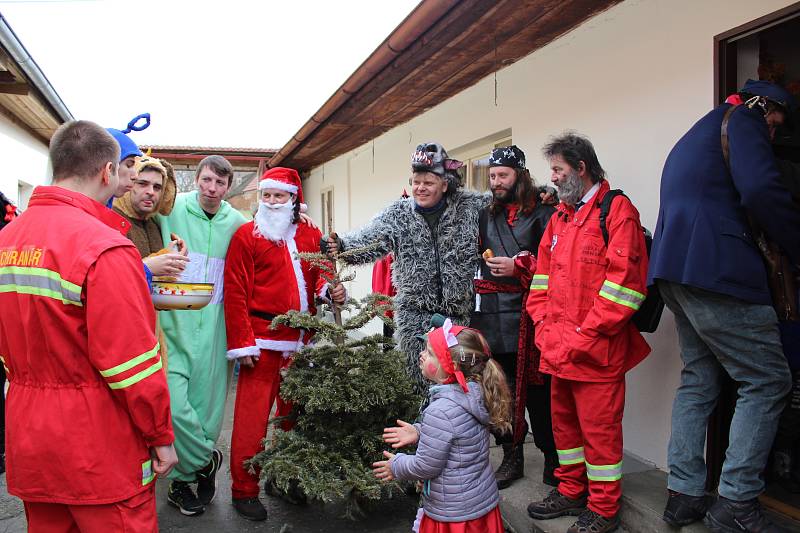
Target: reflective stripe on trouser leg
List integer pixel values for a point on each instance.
(600, 409)
(604, 472)
(571, 471)
(571, 457)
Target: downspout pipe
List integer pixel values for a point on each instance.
(17, 51)
(424, 16)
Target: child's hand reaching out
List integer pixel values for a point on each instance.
(382, 470)
(404, 434)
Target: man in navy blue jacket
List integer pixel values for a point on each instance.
(713, 278)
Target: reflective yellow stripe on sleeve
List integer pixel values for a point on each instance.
(621, 295)
(127, 365)
(540, 282)
(147, 472)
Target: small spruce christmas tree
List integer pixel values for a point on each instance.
(344, 391)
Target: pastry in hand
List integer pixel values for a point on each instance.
(487, 254)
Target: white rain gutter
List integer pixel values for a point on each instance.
(18, 53)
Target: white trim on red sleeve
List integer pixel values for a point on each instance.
(280, 346)
(247, 351)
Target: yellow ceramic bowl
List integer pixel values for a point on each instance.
(169, 296)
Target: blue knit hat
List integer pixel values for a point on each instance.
(127, 147)
(770, 91)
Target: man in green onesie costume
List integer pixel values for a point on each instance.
(198, 369)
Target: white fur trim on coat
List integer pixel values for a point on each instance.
(248, 351)
(270, 183)
(323, 293)
(291, 246)
(280, 346)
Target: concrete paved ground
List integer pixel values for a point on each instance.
(388, 516)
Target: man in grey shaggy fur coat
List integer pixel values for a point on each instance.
(434, 238)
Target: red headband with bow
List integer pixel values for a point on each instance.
(442, 339)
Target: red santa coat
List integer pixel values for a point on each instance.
(87, 397)
(263, 277)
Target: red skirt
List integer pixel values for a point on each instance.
(491, 522)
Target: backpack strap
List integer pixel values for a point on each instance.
(605, 207)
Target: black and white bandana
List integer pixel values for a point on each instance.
(507, 156)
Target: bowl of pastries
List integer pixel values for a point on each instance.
(169, 294)
(172, 296)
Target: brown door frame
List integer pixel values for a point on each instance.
(723, 61)
(724, 80)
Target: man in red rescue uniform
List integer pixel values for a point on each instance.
(265, 278)
(582, 298)
(89, 424)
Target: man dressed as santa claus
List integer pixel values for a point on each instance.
(264, 279)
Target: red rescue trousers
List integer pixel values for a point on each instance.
(587, 427)
(137, 513)
(256, 391)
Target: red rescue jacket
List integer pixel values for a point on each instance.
(87, 397)
(584, 293)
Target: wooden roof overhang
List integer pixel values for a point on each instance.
(440, 49)
(26, 97)
(187, 157)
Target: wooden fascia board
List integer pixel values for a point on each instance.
(539, 28)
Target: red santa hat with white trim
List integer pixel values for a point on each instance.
(284, 179)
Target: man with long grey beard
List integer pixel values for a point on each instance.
(583, 295)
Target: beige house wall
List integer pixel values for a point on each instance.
(633, 79)
(25, 159)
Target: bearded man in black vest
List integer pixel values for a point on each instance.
(510, 230)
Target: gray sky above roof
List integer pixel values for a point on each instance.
(232, 73)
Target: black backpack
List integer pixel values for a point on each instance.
(648, 316)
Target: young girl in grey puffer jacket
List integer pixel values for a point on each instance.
(470, 397)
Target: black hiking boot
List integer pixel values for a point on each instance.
(591, 522)
(682, 509)
(181, 495)
(555, 505)
(729, 516)
(512, 467)
(250, 508)
(207, 478)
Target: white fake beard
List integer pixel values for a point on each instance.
(571, 191)
(272, 221)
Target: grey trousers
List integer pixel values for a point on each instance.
(720, 333)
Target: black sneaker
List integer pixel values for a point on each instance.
(207, 478)
(250, 508)
(591, 522)
(682, 509)
(729, 516)
(181, 495)
(555, 505)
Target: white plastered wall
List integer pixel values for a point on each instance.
(24, 158)
(633, 79)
